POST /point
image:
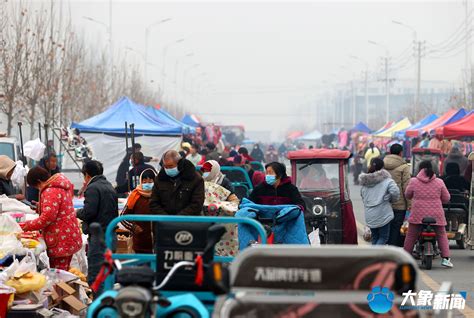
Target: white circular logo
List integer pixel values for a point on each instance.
(183, 238)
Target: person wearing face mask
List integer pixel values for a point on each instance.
(139, 203)
(211, 172)
(56, 220)
(178, 188)
(277, 188)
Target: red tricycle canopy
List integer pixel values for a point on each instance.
(319, 154)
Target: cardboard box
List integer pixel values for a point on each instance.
(124, 245)
(73, 305)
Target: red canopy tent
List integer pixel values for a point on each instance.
(462, 128)
(433, 125)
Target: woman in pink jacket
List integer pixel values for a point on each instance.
(428, 194)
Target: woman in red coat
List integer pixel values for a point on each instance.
(428, 194)
(57, 219)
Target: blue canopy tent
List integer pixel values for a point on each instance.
(105, 134)
(125, 110)
(161, 113)
(422, 123)
(191, 120)
(312, 136)
(361, 127)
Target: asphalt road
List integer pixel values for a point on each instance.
(461, 275)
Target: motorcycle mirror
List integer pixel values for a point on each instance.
(405, 278)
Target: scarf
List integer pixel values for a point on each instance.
(135, 195)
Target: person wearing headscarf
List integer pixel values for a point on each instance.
(7, 166)
(139, 203)
(211, 172)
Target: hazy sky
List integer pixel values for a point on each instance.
(271, 57)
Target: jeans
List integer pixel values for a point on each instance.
(395, 238)
(380, 235)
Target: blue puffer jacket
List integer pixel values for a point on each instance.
(289, 223)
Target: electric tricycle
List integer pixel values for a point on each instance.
(180, 279)
(321, 176)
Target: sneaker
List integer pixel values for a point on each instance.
(447, 262)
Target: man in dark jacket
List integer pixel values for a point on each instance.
(100, 206)
(139, 165)
(456, 156)
(212, 153)
(454, 180)
(100, 198)
(178, 189)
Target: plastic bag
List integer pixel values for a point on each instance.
(27, 282)
(9, 243)
(367, 234)
(8, 225)
(34, 149)
(314, 238)
(19, 175)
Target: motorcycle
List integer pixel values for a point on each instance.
(426, 247)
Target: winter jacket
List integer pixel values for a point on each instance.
(456, 183)
(213, 155)
(370, 154)
(378, 192)
(100, 204)
(57, 220)
(458, 158)
(6, 185)
(428, 196)
(289, 225)
(257, 154)
(285, 193)
(401, 174)
(142, 237)
(121, 178)
(181, 195)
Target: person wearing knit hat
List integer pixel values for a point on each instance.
(7, 166)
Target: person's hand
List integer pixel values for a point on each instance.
(20, 197)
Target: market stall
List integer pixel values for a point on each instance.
(105, 134)
(447, 118)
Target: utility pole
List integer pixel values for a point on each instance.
(387, 88)
(366, 79)
(418, 79)
(353, 103)
(467, 54)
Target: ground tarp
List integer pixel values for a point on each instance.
(459, 129)
(399, 125)
(449, 117)
(361, 127)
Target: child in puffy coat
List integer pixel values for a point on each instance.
(428, 193)
(378, 192)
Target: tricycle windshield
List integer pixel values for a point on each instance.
(317, 176)
(419, 157)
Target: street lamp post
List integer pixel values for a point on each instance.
(417, 57)
(147, 37)
(178, 61)
(108, 29)
(163, 75)
(387, 79)
(366, 80)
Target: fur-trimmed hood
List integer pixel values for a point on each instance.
(372, 179)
